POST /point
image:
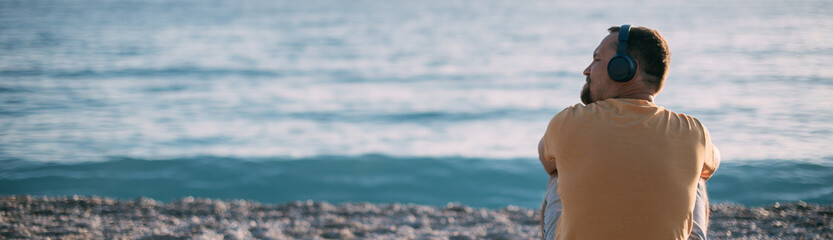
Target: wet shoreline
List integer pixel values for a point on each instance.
(27, 217)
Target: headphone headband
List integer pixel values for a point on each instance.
(624, 33)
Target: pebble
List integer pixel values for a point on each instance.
(81, 217)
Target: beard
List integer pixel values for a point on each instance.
(586, 97)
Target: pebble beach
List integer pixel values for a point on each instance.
(82, 217)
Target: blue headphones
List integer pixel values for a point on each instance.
(622, 67)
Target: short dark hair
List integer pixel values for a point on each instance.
(649, 48)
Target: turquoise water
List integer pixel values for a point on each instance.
(412, 101)
(491, 183)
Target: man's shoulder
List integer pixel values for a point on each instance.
(572, 108)
(686, 117)
(570, 112)
(603, 110)
(688, 123)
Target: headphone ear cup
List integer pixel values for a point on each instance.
(621, 68)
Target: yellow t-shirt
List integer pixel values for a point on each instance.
(627, 169)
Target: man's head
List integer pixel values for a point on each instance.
(650, 52)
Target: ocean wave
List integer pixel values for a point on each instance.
(164, 72)
(374, 178)
(323, 75)
(377, 178)
(425, 117)
(759, 182)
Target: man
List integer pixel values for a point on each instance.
(620, 166)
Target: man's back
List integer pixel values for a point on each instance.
(627, 169)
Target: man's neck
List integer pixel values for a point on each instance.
(635, 89)
(641, 96)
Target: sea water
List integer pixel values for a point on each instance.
(410, 101)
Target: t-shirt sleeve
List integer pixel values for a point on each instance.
(712, 156)
(550, 139)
